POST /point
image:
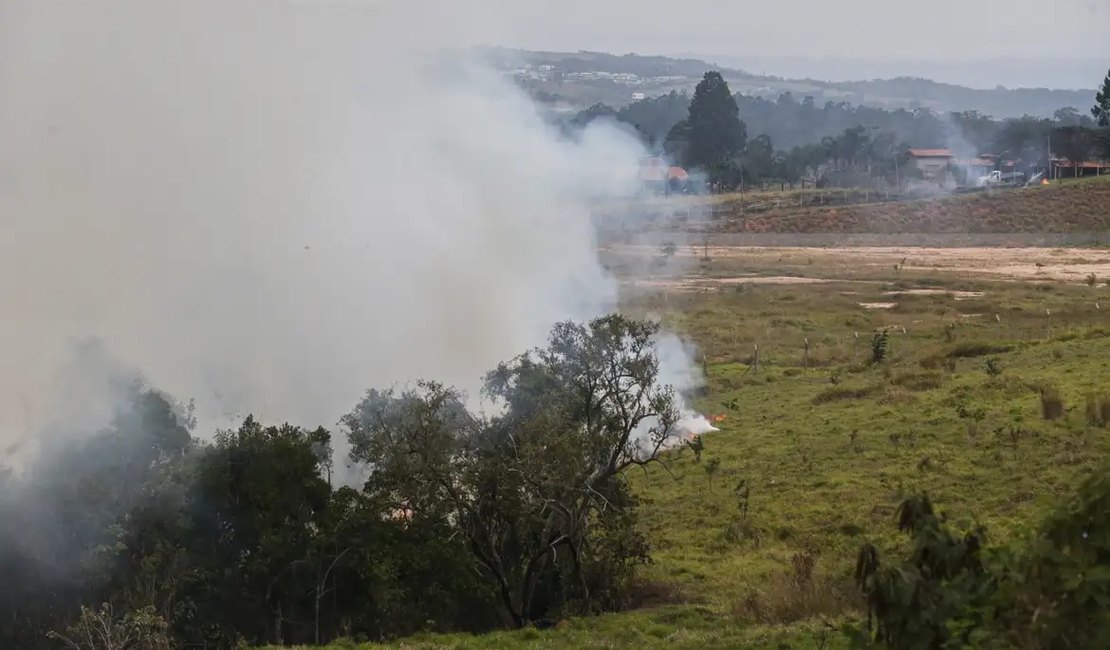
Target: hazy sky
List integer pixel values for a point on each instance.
(935, 29)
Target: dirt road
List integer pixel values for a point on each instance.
(1030, 264)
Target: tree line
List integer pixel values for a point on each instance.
(838, 143)
(139, 536)
(467, 522)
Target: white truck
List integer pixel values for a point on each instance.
(1001, 178)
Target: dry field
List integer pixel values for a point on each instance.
(807, 265)
(1063, 207)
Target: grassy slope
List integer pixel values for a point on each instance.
(1069, 206)
(826, 474)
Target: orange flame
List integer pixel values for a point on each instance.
(718, 418)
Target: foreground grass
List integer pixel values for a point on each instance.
(680, 627)
(815, 452)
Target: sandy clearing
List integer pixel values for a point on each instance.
(1023, 263)
(958, 295)
(709, 284)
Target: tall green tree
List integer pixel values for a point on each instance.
(759, 160)
(655, 116)
(1101, 109)
(716, 134)
(536, 496)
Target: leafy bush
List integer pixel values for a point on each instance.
(839, 393)
(102, 629)
(1054, 592)
(879, 346)
(919, 381)
(1049, 591)
(938, 362)
(972, 349)
(796, 594)
(1098, 410)
(896, 395)
(1052, 404)
(909, 605)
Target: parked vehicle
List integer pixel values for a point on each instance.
(1001, 178)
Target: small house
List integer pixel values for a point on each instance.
(931, 162)
(657, 176)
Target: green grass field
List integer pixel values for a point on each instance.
(754, 545)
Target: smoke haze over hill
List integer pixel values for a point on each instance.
(270, 207)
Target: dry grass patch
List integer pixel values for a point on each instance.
(797, 594)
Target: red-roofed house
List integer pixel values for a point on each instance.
(659, 177)
(931, 162)
(1064, 168)
(976, 167)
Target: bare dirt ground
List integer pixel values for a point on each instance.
(1028, 264)
(1067, 264)
(706, 284)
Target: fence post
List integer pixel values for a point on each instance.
(755, 359)
(806, 357)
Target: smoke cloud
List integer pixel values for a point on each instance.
(269, 207)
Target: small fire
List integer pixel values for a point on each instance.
(1044, 181)
(718, 418)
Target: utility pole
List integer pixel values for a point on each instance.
(1048, 146)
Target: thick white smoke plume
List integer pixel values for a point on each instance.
(676, 368)
(271, 206)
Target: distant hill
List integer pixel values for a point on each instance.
(1068, 70)
(1063, 207)
(580, 79)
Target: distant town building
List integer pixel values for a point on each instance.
(1064, 168)
(658, 176)
(931, 162)
(976, 167)
(638, 97)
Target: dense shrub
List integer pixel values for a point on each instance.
(839, 393)
(1098, 410)
(1047, 591)
(1052, 404)
(880, 345)
(919, 381)
(972, 349)
(467, 522)
(799, 593)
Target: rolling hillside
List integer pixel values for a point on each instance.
(1081, 206)
(754, 540)
(585, 78)
(1076, 206)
